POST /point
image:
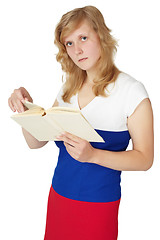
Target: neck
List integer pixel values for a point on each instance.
(89, 78)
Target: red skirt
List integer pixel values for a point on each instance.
(69, 219)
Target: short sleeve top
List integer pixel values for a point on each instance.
(108, 116)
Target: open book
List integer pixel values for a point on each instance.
(46, 125)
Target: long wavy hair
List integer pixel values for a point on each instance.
(107, 72)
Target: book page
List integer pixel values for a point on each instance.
(74, 123)
(33, 111)
(38, 127)
(30, 105)
(62, 109)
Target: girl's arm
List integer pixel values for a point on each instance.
(140, 126)
(31, 141)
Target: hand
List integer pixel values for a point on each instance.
(17, 98)
(77, 147)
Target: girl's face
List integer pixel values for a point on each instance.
(83, 47)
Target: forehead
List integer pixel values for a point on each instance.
(83, 28)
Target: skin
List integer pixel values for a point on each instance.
(140, 123)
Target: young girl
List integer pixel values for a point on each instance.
(85, 193)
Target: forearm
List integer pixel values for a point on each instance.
(131, 160)
(32, 141)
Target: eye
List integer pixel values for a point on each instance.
(84, 38)
(69, 44)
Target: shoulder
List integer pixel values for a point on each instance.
(131, 91)
(123, 85)
(129, 87)
(126, 81)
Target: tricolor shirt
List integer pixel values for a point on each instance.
(108, 116)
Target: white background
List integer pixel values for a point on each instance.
(27, 58)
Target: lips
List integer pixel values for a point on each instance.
(82, 59)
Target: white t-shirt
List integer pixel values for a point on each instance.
(110, 113)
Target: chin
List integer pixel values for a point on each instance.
(85, 68)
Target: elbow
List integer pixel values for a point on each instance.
(146, 160)
(36, 146)
(32, 146)
(149, 164)
(148, 167)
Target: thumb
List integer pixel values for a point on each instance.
(26, 95)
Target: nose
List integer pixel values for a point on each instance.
(78, 49)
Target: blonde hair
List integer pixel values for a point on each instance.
(107, 72)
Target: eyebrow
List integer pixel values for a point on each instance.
(82, 34)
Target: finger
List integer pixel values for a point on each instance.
(67, 140)
(71, 136)
(25, 94)
(17, 94)
(11, 105)
(18, 105)
(22, 95)
(67, 145)
(71, 150)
